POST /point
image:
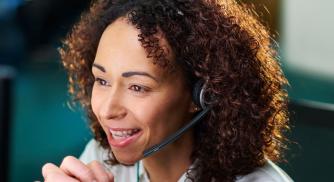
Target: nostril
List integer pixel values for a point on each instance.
(114, 113)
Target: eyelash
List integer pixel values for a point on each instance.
(101, 81)
(142, 89)
(135, 88)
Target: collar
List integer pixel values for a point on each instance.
(143, 176)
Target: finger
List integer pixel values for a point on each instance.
(74, 167)
(52, 173)
(101, 174)
(111, 176)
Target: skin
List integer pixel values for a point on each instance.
(130, 92)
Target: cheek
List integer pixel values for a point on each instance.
(147, 112)
(162, 115)
(95, 102)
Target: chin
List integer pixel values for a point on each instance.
(127, 159)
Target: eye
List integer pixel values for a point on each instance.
(100, 81)
(138, 88)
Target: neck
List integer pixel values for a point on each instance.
(171, 162)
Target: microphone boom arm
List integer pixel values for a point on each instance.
(177, 134)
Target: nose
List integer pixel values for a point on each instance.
(112, 107)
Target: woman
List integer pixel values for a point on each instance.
(135, 66)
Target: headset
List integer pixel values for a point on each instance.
(198, 98)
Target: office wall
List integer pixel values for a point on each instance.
(307, 28)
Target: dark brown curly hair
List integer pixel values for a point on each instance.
(219, 41)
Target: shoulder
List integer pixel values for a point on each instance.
(270, 172)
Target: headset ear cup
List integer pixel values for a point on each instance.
(197, 92)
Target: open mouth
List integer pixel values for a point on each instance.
(123, 134)
(123, 137)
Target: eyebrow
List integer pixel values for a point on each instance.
(127, 74)
(101, 68)
(132, 73)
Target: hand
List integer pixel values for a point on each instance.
(73, 170)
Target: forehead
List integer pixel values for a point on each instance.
(120, 47)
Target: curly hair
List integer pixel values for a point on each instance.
(219, 41)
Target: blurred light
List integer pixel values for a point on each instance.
(7, 6)
(307, 41)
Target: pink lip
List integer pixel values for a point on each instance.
(119, 143)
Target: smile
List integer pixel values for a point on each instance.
(123, 134)
(123, 137)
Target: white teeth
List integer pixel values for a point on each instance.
(123, 134)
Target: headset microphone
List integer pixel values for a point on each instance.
(177, 134)
(198, 95)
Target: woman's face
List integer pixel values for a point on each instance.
(136, 102)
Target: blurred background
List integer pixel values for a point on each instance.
(37, 126)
